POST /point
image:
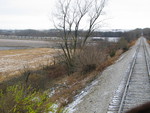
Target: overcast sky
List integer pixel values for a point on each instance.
(35, 14)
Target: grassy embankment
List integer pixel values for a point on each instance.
(54, 78)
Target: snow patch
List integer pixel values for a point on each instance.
(71, 107)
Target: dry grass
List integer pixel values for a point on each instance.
(110, 61)
(13, 61)
(73, 85)
(69, 86)
(89, 59)
(132, 43)
(66, 87)
(148, 41)
(56, 71)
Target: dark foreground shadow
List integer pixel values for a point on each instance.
(145, 108)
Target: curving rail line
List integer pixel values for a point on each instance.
(135, 87)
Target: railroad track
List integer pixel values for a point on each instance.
(134, 89)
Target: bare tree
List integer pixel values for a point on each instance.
(73, 15)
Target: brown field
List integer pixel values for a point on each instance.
(12, 62)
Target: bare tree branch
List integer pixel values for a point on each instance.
(70, 17)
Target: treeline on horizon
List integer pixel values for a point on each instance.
(130, 35)
(56, 33)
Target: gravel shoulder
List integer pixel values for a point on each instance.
(99, 96)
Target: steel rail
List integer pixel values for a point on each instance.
(146, 57)
(128, 80)
(118, 103)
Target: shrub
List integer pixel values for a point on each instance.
(123, 44)
(88, 68)
(112, 53)
(18, 99)
(56, 71)
(89, 58)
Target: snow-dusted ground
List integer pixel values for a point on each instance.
(96, 97)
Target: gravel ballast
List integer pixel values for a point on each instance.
(98, 97)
